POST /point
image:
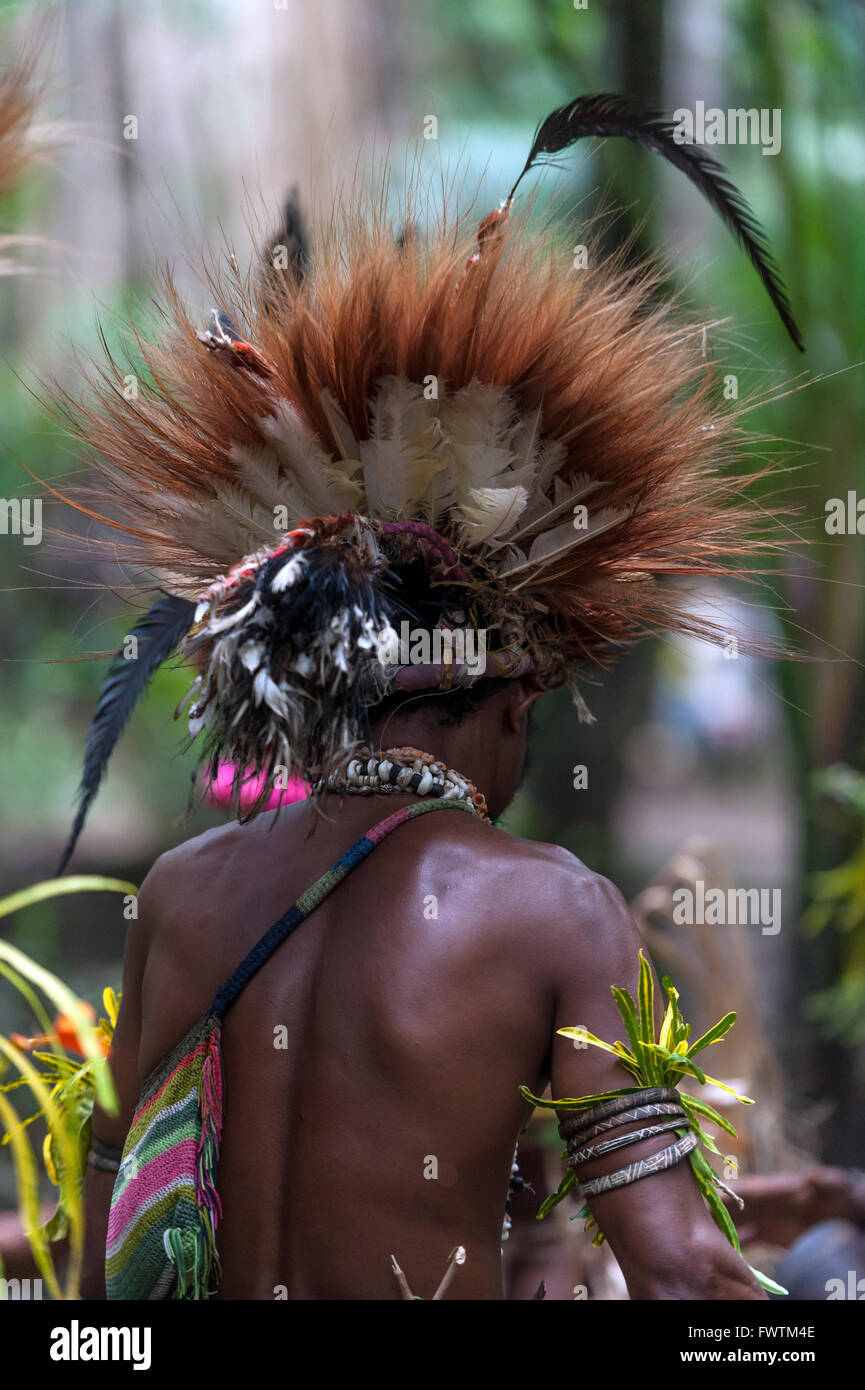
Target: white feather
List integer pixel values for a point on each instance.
(252, 655)
(228, 620)
(263, 688)
(289, 573)
(227, 528)
(319, 483)
(291, 472)
(528, 447)
(552, 544)
(402, 456)
(340, 428)
(490, 513)
(259, 473)
(551, 455)
(567, 492)
(477, 425)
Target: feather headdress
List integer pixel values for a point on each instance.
(393, 431)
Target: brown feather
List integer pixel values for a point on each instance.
(17, 103)
(618, 377)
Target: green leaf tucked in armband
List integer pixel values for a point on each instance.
(567, 1183)
(651, 1062)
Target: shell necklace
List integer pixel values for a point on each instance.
(406, 770)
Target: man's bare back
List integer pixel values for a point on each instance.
(392, 1029)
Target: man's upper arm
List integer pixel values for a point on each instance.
(659, 1227)
(113, 1129)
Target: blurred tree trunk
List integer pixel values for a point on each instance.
(190, 123)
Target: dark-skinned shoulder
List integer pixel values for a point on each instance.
(195, 870)
(573, 923)
(582, 928)
(541, 897)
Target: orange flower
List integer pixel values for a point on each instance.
(67, 1027)
(66, 1033)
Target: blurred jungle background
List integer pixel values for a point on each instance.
(732, 771)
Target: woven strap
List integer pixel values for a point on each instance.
(308, 901)
(645, 1104)
(639, 1112)
(104, 1157)
(621, 1141)
(644, 1099)
(643, 1168)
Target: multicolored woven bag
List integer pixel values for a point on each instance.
(165, 1208)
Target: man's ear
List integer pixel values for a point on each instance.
(525, 691)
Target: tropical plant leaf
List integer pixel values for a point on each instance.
(713, 1081)
(628, 1009)
(583, 1035)
(568, 1182)
(56, 887)
(64, 1091)
(705, 1139)
(661, 1063)
(111, 1005)
(705, 1175)
(709, 1113)
(27, 992)
(618, 1049)
(28, 1202)
(714, 1035)
(67, 1003)
(666, 1037)
(61, 996)
(681, 1030)
(27, 1185)
(674, 1062)
(583, 1103)
(768, 1284)
(646, 994)
(49, 1161)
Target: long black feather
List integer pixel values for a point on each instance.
(608, 115)
(292, 235)
(159, 633)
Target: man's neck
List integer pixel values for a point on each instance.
(464, 748)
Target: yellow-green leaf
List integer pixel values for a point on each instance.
(705, 1175)
(768, 1284)
(67, 1003)
(583, 1035)
(647, 1016)
(111, 1005)
(568, 1181)
(674, 1062)
(56, 887)
(714, 1035)
(665, 1037)
(712, 1081)
(27, 1183)
(572, 1103)
(709, 1113)
(705, 1139)
(628, 1010)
